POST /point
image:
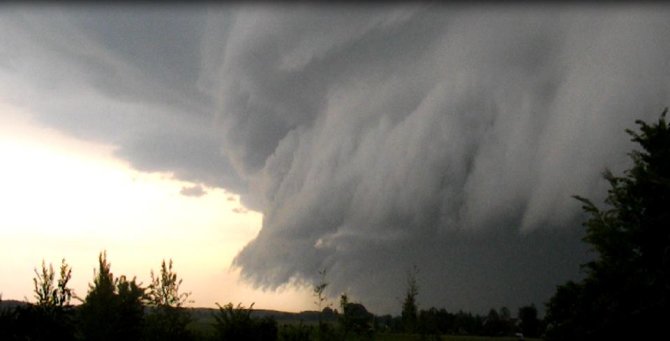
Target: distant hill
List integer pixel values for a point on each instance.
(11, 304)
(207, 313)
(305, 316)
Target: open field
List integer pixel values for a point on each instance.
(204, 327)
(409, 337)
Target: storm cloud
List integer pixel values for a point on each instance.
(371, 138)
(452, 139)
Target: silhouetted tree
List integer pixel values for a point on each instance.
(506, 323)
(51, 316)
(236, 323)
(444, 320)
(98, 313)
(626, 291)
(164, 289)
(131, 310)
(529, 323)
(355, 321)
(498, 323)
(409, 306)
(428, 323)
(568, 313)
(49, 295)
(492, 324)
(319, 289)
(345, 320)
(113, 308)
(320, 298)
(168, 318)
(467, 323)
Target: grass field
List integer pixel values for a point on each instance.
(204, 326)
(407, 337)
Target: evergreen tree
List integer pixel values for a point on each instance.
(113, 308)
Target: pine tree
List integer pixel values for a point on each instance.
(113, 308)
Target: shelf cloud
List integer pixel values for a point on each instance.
(372, 138)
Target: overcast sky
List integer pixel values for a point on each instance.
(370, 138)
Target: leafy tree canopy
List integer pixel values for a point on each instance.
(626, 290)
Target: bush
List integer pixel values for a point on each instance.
(236, 323)
(298, 332)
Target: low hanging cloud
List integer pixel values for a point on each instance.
(193, 191)
(371, 138)
(449, 138)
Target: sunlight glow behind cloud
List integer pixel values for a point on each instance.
(63, 198)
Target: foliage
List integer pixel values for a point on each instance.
(319, 289)
(492, 324)
(320, 296)
(164, 290)
(98, 312)
(52, 311)
(113, 308)
(355, 321)
(51, 317)
(626, 289)
(529, 323)
(48, 295)
(299, 332)
(345, 320)
(409, 306)
(130, 295)
(236, 323)
(167, 319)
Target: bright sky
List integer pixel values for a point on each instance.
(66, 198)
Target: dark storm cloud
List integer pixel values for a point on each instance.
(371, 138)
(452, 139)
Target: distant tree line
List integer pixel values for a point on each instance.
(119, 308)
(356, 323)
(435, 322)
